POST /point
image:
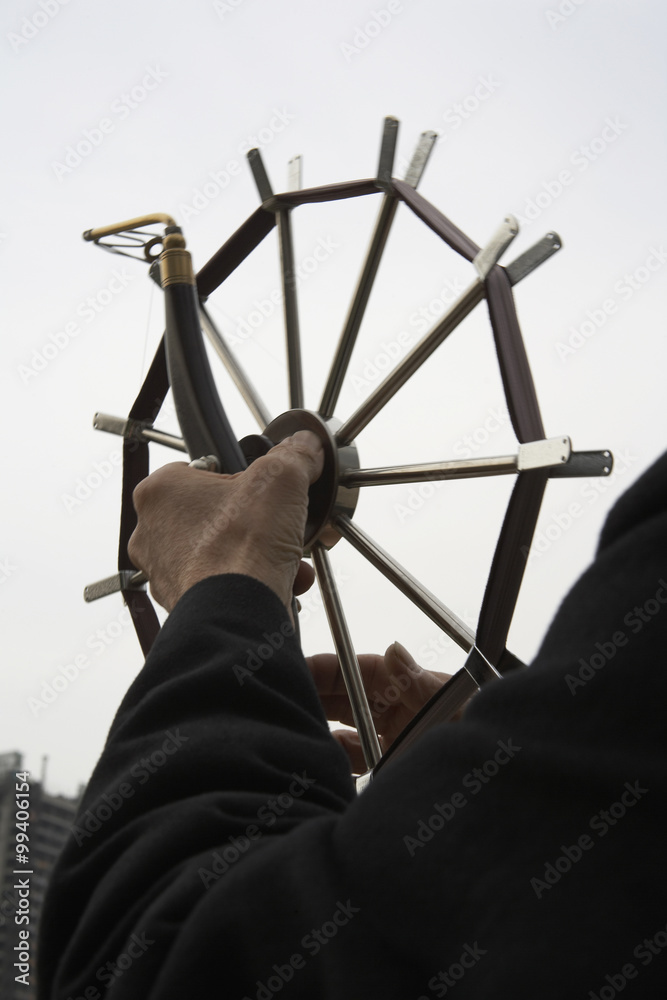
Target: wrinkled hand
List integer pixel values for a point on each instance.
(194, 524)
(396, 687)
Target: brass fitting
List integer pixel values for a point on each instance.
(175, 262)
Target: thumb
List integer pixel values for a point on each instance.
(306, 449)
(287, 469)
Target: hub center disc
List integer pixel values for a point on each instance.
(327, 497)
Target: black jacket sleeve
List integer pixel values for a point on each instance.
(220, 850)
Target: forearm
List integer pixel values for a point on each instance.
(467, 842)
(219, 746)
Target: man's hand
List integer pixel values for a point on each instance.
(396, 688)
(194, 524)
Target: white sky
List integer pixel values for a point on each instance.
(581, 92)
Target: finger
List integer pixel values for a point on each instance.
(416, 684)
(302, 453)
(309, 448)
(328, 678)
(378, 673)
(305, 577)
(383, 694)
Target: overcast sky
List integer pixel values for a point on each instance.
(551, 111)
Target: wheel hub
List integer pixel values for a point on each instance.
(327, 497)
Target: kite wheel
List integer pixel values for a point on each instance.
(182, 364)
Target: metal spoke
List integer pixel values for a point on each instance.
(294, 174)
(136, 429)
(161, 437)
(360, 299)
(547, 454)
(259, 174)
(239, 377)
(364, 287)
(526, 262)
(430, 472)
(410, 363)
(420, 158)
(347, 657)
(489, 256)
(288, 275)
(463, 306)
(127, 579)
(290, 309)
(406, 583)
(387, 150)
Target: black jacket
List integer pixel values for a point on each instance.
(221, 850)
